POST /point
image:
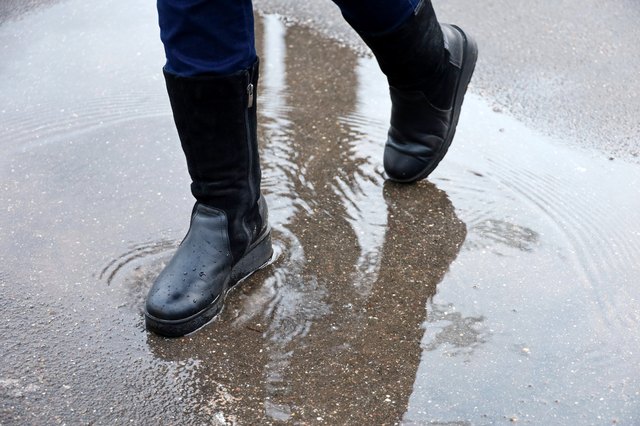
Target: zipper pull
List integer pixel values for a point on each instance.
(250, 94)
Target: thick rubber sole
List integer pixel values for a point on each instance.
(258, 256)
(468, 66)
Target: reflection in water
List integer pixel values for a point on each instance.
(359, 190)
(296, 299)
(360, 360)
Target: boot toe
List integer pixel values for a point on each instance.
(191, 288)
(179, 303)
(169, 302)
(402, 167)
(407, 161)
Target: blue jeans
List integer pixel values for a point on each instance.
(217, 36)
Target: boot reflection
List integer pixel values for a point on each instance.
(360, 362)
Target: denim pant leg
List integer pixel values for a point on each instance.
(376, 16)
(217, 36)
(207, 36)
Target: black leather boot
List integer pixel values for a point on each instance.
(229, 237)
(428, 67)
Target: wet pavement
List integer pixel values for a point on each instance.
(568, 68)
(501, 290)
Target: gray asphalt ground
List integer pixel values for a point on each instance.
(570, 68)
(501, 290)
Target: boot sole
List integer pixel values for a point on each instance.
(258, 257)
(468, 66)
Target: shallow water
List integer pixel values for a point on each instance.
(502, 289)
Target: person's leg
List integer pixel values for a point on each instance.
(376, 16)
(428, 67)
(207, 37)
(211, 76)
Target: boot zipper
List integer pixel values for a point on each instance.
(250, 94)
(250, 89)
(248, 127)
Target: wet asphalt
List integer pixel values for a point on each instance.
(503, 289)
(568, 68)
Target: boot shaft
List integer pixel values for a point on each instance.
(414, 56)
(216, 121)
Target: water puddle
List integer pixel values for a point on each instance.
(502, 289)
